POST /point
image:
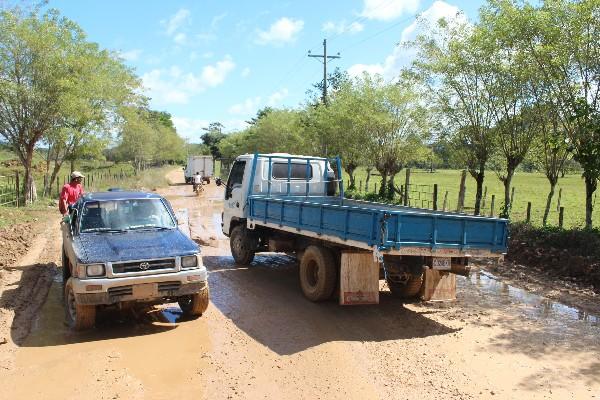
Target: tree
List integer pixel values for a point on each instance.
(562, 39)
(452, 65)
(37, 57)
(214, 134)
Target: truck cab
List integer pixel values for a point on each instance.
(276, 174)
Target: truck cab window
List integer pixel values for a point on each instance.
(298, 171)
(236, 177)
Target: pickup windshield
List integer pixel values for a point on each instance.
(123, 215)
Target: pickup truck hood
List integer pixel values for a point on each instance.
(132, 245)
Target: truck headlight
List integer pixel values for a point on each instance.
(94, 270)
(189, 261)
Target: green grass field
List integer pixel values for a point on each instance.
(529, 187)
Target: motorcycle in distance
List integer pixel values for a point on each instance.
(198, 188)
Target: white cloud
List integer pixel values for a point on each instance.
(190, 128)
(180, 38)
(174, 86)
(386, 10)
(214, 23)
(277, 97)
(248, 106)
(282, 31)
(245, 72)
(131, 55)
(251, 105)
(402, 56)
(177, 20)
(342, 27)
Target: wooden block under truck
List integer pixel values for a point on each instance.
(295, 204)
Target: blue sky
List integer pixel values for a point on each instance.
(205, 61)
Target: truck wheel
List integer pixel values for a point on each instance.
(195, 305)
(408, 287)
(317, 273)
(243, 244)
(79, 316)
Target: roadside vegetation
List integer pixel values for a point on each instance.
(66, 103)
(515, 91)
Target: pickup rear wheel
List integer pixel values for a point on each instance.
(407, 286)
(196, 304)
(243, 244)
(79, 316)
(317, 273)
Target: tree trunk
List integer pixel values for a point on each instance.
(590, 187)
(390, 187)
(72, 164)
(383, 187)
(368, 179)
(479, 177)
(548, 203)
(29, 190)
(350, 168)
(507, 181)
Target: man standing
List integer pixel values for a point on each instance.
(70, 192)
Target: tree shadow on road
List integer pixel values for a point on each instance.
(265, 301)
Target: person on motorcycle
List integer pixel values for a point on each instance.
(197, 181)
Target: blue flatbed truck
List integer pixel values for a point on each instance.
(295, 204)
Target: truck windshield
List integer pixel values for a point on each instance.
(123, 215)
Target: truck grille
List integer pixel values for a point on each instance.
(142, 266)
(168, 286)
(120, 291)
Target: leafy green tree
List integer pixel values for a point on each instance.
(214, 134)
(451, 63)
(38, 55)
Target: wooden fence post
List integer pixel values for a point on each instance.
(561, 215)
(17, 188)
(492, 205)
(512, 196)
(402, 194)
(445, 206)
(559, 198)
(360, 185)
(406, 201)
(484, 198)
(461, 192)
(375, 189)
(435, 196)
(528, 212)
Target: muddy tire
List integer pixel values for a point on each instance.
(196, 304)
(79, 317)
(407, 289)
(243, 244)
(318, 272)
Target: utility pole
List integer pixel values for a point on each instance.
(325, 57)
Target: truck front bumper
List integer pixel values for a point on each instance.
(139, 288)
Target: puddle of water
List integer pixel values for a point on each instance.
(532, 306)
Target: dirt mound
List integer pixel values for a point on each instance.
(572, 255)
(14, 242)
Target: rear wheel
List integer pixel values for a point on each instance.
(405, 285)
(79, 316)
(196, 304)
(318, 273)
(243, 244)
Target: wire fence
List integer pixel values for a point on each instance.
(9, 193)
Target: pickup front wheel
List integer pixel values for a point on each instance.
(196, 304)
(318, 273)
(79, 316)
(243, 244)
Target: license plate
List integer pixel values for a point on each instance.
(145, 290)
(441, 263)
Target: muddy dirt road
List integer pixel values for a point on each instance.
(261, 339)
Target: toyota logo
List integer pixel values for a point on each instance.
(144, 266)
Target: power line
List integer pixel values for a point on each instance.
(381, 31)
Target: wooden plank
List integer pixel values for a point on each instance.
(359, 278)
(438, 286)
